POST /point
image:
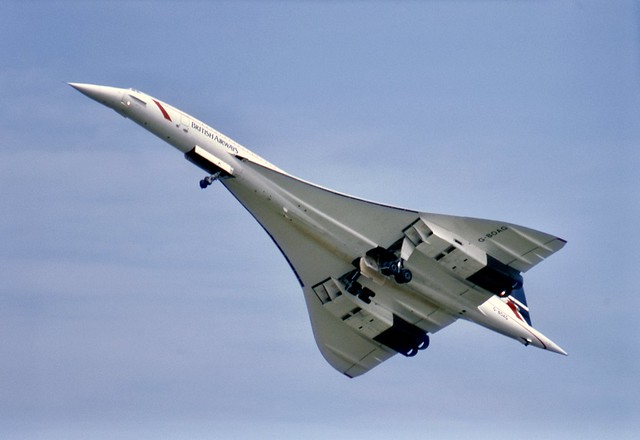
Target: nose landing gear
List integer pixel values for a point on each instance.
(204, 183)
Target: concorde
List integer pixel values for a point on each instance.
(377, 279)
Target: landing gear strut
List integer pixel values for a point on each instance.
(209, 180)
(389, 264)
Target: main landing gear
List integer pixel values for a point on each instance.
(204, 183)
(395, 268)
(401, 336)
(390, 265)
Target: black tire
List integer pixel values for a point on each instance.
(404, 276)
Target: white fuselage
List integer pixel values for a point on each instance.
(185, 132)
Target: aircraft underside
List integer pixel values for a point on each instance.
(377, 279)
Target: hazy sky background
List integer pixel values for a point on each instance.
(134, 305)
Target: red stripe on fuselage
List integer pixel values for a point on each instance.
(515, 311)
(164, 112)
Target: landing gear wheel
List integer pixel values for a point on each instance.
(392, 268)
(365, 295)
(210, 179)
(412, 352)
(404, 276)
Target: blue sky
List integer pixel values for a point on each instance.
(135, 305)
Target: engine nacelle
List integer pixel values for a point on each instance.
(461, 258)
(349, 301)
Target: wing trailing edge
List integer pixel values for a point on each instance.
(518, 247)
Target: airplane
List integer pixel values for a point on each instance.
(377, 279)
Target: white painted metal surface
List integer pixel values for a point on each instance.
(377, 279)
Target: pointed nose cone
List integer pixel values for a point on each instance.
(109, 96)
